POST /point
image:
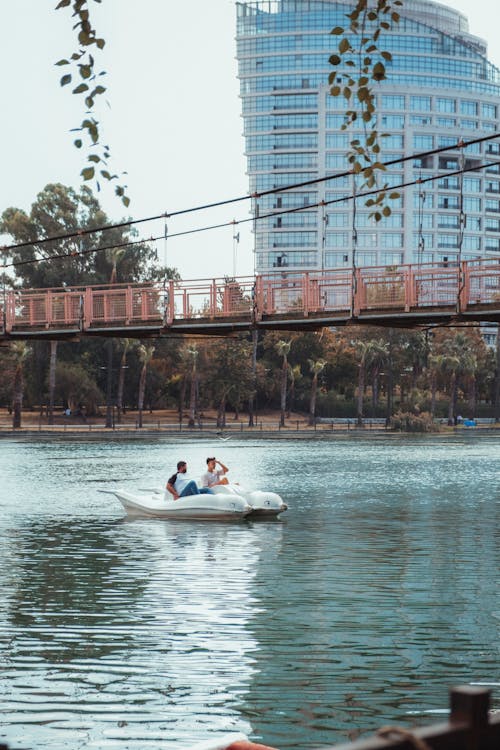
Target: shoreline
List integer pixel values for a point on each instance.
(99, 432)
(165, 425)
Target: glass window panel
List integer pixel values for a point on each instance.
(420, 103)
(468, 107)
(391, 101)
(444, 104)
(423, 142)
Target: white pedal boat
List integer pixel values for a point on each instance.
(160, 504)
(228, 503)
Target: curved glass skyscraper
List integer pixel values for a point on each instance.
(440, 88)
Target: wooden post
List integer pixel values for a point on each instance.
(470, 706)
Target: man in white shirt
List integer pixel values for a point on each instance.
(180, 485)
(214, 476)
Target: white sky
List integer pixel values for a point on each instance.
(174, 119)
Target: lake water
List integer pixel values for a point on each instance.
(377, 592)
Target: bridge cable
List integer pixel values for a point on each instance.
(216, 204)
(62, 256)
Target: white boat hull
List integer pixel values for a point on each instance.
(192, 507)
(264, 504)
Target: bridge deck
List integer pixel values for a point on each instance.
(405, 296)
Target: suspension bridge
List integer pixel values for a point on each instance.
(403, 296)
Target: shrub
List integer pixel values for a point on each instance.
(407, 422)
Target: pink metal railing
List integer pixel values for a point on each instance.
(285, 294)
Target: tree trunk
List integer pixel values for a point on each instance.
(109, 385)
(252, 401)
(291, 398)
(52, 380)
(192, 398)
(361, 392)
(142, 388)
(451, 403)
(472, 396)
(389, 383)
(17, 399)
(497, 378)
(312, 403)
(221, 413)
(121, 386)
(433, 395)
(182, 398)
(284, 376)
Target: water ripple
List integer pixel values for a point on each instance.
(376, 593)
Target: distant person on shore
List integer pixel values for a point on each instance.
(180, 485)
(214, 476)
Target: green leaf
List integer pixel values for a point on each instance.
(78, 142)
(94, 158)
(386, 55)
(98, 90)
(335, 90)
(100, 43)
(66, 79)
(85, 71)
(62, 62)
(84, 39)
(63, 4)
(386, 211)
(88, 173)
(334, 60)
(126, 201)
(378, 72)
(80, 89)
(344, 46)
(337, 30)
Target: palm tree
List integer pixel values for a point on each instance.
(145, 356)
(368, 352)
(113, 256)
(252, 399)
(458, 360)
(378, 355)
(295, 374)
(192, 394)
(496, 395)
(316, 367)
(52, 379)
(435, 365)
(283, 349)
(20, 351)
(127, 343)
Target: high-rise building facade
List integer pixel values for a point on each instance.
(440, 89)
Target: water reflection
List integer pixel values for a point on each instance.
(376, 593)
